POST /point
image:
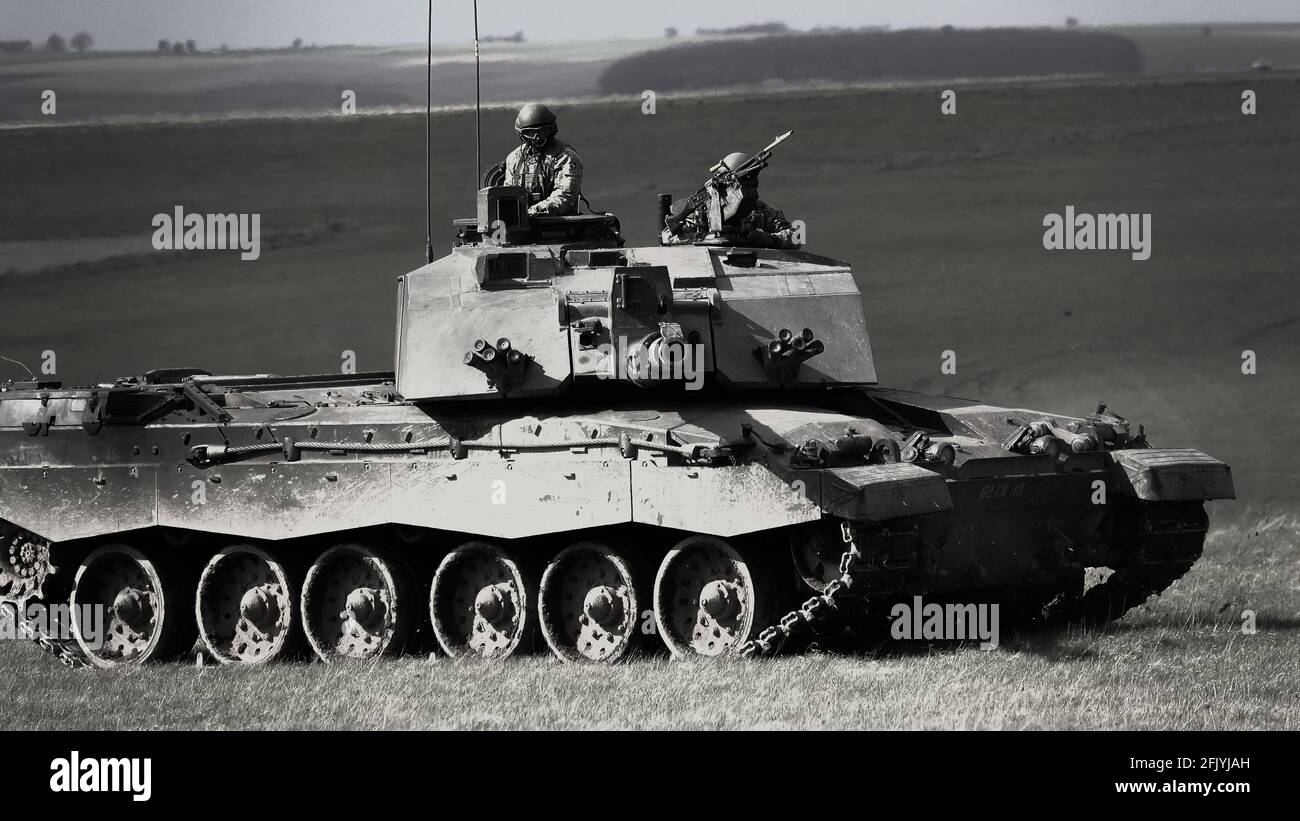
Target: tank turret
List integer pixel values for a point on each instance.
(575, 305)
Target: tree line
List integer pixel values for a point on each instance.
(874, 55)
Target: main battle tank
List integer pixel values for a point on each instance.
(599, 446)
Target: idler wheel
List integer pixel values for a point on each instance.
(588, 604)
(815, 549)
(356, 603)
(141, 608)
(708, 598)
(480, 603)
(245, 606)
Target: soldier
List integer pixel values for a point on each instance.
(548, 169)
(764, 226)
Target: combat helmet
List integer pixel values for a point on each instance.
(535, 124)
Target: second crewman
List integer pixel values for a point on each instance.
(764, 226)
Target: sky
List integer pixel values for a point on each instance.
(139, 24)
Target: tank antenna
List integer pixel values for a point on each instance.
(428, 170)
(30, 375)
(478, 142)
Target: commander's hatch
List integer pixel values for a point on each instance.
(503, 220)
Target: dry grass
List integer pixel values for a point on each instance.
(1180, 662)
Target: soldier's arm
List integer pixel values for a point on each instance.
(688, 230)
(512, 168)
(667, 237)
(565, 188)
(780, 229)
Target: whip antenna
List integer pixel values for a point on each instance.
(478, 142)
(428, 170)
(30, 375)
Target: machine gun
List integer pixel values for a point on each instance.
(721, 196)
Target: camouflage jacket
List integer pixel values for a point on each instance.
(780, 233)
(552, 176)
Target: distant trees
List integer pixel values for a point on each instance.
(873, 55)
(56, 43)
(178, 47)
(297, 42)
(82, 41)
(751, 28)
(670, 32)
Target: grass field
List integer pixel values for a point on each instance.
(1180, 662)
(942, 219)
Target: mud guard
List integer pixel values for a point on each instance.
(878, 492)
(1171, 475)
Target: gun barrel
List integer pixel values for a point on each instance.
(778, 141)
(760, 159)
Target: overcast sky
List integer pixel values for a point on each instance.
(132, 24)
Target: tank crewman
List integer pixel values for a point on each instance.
(548, 169)
(764, 226)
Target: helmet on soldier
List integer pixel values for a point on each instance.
(535, 124)
(734, 159)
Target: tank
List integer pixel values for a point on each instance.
(586, 449)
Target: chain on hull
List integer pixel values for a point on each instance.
(816, 610)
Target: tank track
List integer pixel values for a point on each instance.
(598, 599)
(1169, 537)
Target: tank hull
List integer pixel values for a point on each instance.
(298, 466)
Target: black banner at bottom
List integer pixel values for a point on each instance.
(239, 771)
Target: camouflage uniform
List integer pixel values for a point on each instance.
(552, 176)
(780, 233)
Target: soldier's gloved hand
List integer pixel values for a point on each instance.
(760, 237)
